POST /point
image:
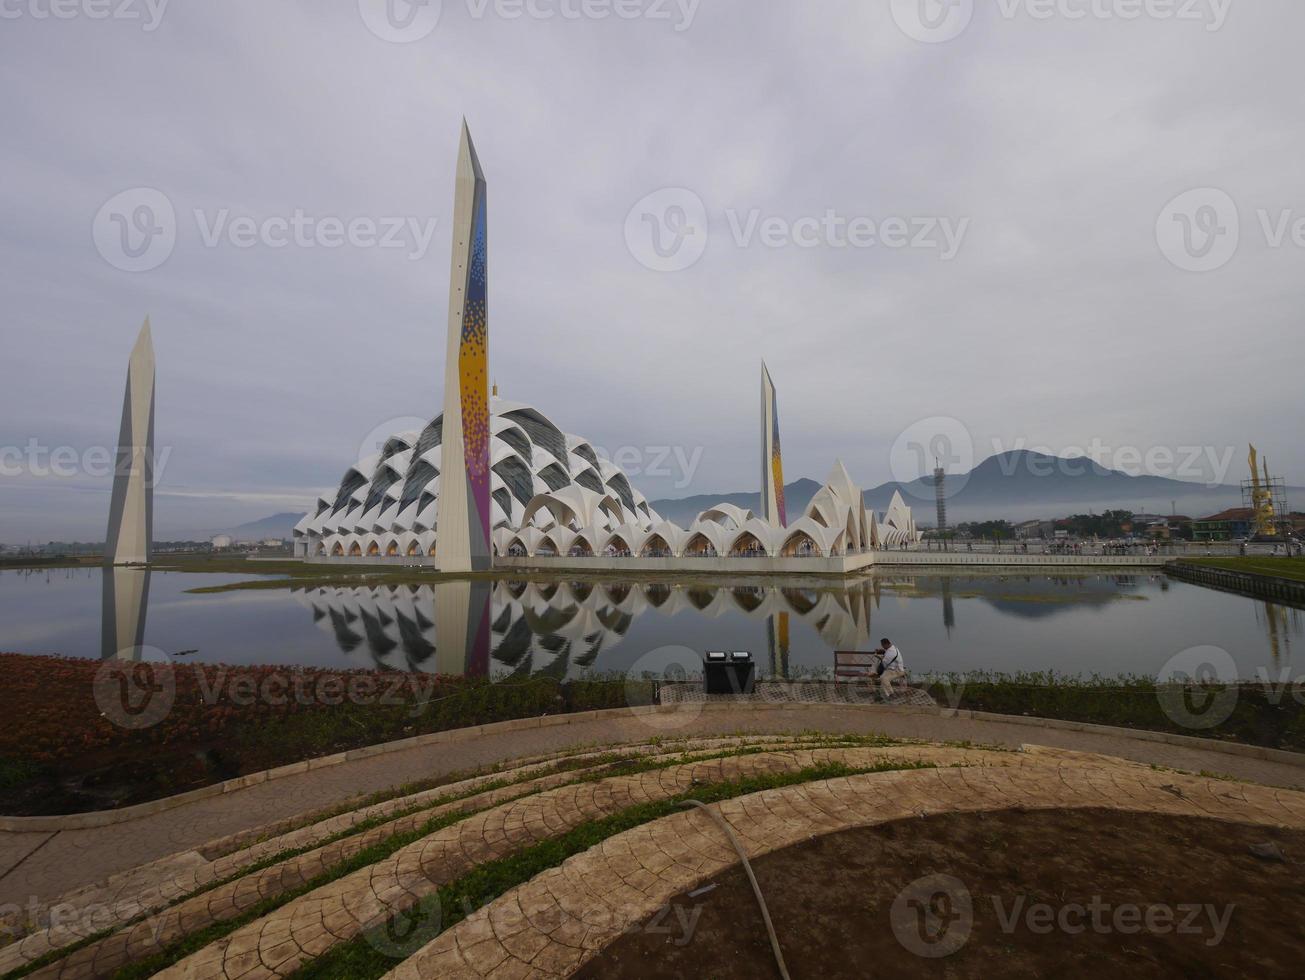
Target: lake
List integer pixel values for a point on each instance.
(1100, 623)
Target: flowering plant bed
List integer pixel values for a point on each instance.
(88, 735)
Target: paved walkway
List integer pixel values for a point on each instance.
(42, 866)
(558, 921)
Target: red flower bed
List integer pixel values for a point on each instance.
(85, 734)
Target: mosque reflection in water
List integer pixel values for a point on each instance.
(560, 629)
(507, 629)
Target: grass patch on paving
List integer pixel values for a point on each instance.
(1288, 568)
(365, 957)
(613, 765)
(1260, 715)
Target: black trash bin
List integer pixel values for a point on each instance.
(729, 673)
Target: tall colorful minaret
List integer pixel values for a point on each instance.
(463, 521)
(131, 514)
(772, 461)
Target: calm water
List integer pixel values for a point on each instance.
(1095, 623)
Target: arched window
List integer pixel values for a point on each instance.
(747, 546)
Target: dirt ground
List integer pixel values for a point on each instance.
(1014, 894)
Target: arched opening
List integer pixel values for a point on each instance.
(373, 550)
(337, 551)
(656, 547)
(851, 541)
(747, 546)
(546, 548)
(617, 548)
(516, 549)
(392, 551)
(581, 548)
(800, 545)
(414, 550)
(431, 552)
(321, 550)
(355, 550)
(700, 546)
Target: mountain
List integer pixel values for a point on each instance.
(1012, 486)
(797, 497)
(276, 526)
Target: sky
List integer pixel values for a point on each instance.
(950, 227)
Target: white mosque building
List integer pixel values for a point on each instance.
(508, 487)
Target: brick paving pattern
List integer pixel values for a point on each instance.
(555, 923)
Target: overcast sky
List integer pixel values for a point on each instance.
(1040, 290)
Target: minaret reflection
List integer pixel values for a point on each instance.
(949, 611)
(521, 629)
(126, 593)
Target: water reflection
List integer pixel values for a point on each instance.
(558, 629)
(122, 615)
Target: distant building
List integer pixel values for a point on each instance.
(221, 542)
(1035, 529)
(1228, 525)
(273, 543)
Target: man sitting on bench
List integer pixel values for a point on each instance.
(891, 667)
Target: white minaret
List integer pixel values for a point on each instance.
(131, 515)
(463, 517)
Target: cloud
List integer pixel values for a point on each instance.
(1058, 322)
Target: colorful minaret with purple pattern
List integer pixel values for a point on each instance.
(773, 511)
(463, 522)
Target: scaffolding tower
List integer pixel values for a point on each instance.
(940, 491)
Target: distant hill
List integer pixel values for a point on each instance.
(1011, 486)
(276, 526)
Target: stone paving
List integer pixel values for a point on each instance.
(555, 923)
(39, 866)
(282, 941)
(278, 819)
(162, 883)
(862, 692)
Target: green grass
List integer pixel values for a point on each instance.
(1288, 568)
(364, 957)
(1261, 716)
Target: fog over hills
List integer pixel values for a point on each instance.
(1014, 486)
